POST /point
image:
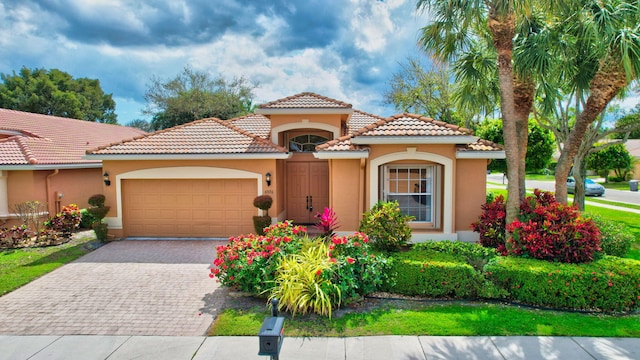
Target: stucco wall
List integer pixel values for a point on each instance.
(76, 185)
(345, 193)
(470, 191)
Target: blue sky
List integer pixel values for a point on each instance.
(345, 49)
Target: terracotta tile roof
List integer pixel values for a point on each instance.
(254, 123)
(360, 119)
(305, 100)
(481, 145)
(35, 139)
(411, 125)
(206, 136)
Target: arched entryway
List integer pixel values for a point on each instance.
(307, 177)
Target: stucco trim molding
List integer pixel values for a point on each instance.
(411, 154)
(481, 155)
(304, 124)
(341, 154)
(178, 172)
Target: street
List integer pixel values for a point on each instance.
(624, 196)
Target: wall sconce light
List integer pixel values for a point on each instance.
(105, 178)
(268, 178)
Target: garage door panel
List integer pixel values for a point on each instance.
(188, 207)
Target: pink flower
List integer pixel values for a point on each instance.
(351, 260)
(319, 272)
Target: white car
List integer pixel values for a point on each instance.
(591, 188)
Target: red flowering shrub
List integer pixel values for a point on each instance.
(358, 272)
(545, 229)
(548, 230)
(491, 225)
(249, 263)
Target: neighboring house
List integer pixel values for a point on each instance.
(633, 147)
(41, 158)
(306, 151)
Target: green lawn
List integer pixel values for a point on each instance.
(20, 266)
(470, 319)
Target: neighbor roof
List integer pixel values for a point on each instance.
(43, 141)
(209, 137)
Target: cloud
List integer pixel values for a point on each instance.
(345, 49)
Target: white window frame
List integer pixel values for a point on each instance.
(393, 183)
(447, 183)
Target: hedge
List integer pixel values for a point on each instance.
(610, 284)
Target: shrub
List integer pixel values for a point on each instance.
(386, 226)
(433, 274)
(303, 282)
(475, 255)
(608, 284)
(249, 263)
(260, 222)
(616, 237)
(86, 219)
(491, 224)
(358, 271)
(17, 236)
(263, 202)
(548, 230)
(64, 222)
(96, 200)
(98, 211)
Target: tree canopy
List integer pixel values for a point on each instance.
(55, 92)
(193, 95)
(615, 157)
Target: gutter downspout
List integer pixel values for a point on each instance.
(361, 193)
(48, 190)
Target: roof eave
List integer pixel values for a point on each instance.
(87, 165)
(235, 156)
(389, 140)
(303, 111)
(487, 154)
(341, 154)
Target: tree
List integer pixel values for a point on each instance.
(54, 92)
(426, 92)
(598, 56)
(193, 95)
(140, 124)
(630, 124)
(613, 157)
(455, 26)
(539, 152)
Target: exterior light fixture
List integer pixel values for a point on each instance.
(268, 178)
(105, 178)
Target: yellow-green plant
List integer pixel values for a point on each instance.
(303, 282)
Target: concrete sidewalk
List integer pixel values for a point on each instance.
(98, 347)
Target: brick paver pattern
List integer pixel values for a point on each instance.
(154, 287)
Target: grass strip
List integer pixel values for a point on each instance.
(20, 266)
(438, 320)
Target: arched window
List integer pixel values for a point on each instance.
(306, 143)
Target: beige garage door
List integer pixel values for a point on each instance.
(188, 207)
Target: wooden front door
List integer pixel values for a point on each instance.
(307, 190)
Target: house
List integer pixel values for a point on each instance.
(308, 152)
(633, 146)
(41, 158)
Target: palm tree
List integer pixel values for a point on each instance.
(456, 24)
(607, 35)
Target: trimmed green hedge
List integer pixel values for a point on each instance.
(609, 284)
(434, 274)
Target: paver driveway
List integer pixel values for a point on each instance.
(123, 288)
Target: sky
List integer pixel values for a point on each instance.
(343, 49)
